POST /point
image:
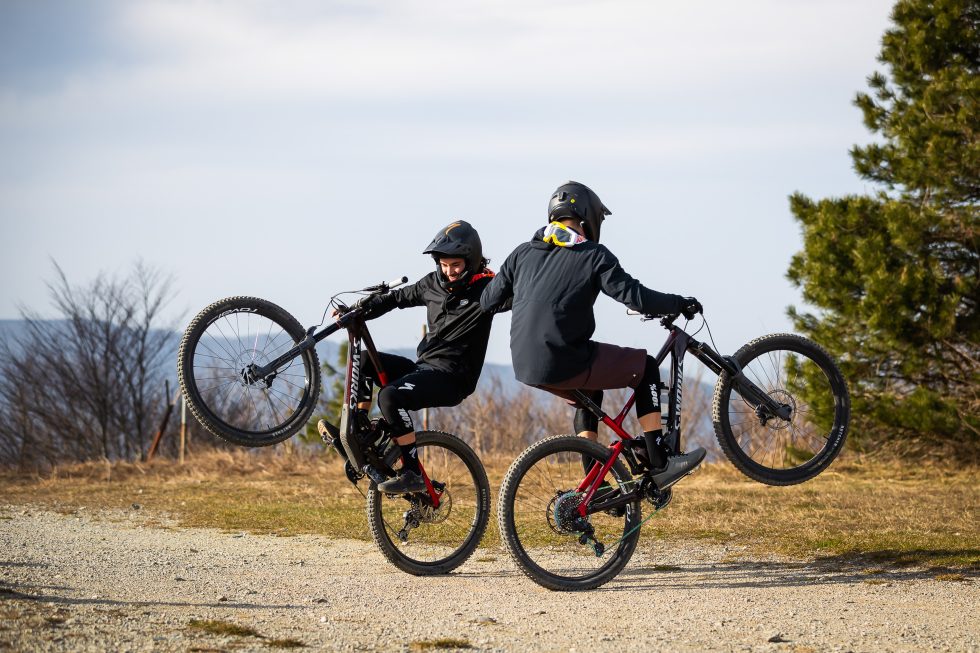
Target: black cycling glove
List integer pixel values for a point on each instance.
(373, 305)
(690, 307)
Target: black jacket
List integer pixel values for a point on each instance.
(553, 290)
(458, 328)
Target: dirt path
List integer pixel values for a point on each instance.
(108, 582)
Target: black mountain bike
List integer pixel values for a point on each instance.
(251, 375)
(781, 411)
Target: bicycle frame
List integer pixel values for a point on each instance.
(678, 344)
(359, 342)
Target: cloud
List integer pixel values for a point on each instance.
(556, 52)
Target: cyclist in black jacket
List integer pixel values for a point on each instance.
(554, 280)
(450, 358)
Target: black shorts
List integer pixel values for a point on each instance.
(612, 367)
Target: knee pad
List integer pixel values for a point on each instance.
(651, 373)
(394, 411)
(585, 420)
(648, 390)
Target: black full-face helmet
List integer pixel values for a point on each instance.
(578, 202)
(457, 240)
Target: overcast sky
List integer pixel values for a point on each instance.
(291, 150)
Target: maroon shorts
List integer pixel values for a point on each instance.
(612, 367)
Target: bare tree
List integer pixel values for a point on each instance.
(83, 386)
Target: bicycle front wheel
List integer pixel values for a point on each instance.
(538, 517)
(215, 352)
(796, 373)
(423, 539)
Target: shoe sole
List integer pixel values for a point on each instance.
(325, 428)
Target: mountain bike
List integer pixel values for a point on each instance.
(251, 376)
(780, 412)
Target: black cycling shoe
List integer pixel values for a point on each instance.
(678, 466)
(406, 481)
(330, 435)
(328, 432)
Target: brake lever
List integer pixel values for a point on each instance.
(644, 317)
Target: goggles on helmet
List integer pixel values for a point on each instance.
(558, 234)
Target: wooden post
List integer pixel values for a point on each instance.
(183, 430)
(163, 422)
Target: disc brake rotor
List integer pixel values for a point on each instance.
(430, 515)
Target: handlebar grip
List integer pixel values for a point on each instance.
(394, 283)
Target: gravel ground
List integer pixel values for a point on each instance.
(112, 582)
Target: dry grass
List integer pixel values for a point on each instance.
(439, 644)
(880, 514)
(229, 629)
(214, 627)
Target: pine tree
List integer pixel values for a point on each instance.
(893, 276)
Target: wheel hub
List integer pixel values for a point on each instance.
(775, 422)
(247, 361)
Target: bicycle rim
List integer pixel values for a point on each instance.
(541, 495)
(796, 373)
(220, 353)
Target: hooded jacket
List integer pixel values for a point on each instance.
(458, 329)
(553, 290)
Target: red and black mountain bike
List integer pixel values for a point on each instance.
(780, 412)
(251, 375)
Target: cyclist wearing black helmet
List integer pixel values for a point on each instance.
(450, 357)
(554, 281)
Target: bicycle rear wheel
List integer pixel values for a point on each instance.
(219, 344)
(797, 373)
(436, 540)
(536, 511)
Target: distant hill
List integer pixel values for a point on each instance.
(699, 430)
(12, 329)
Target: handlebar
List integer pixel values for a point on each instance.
(385, 286)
